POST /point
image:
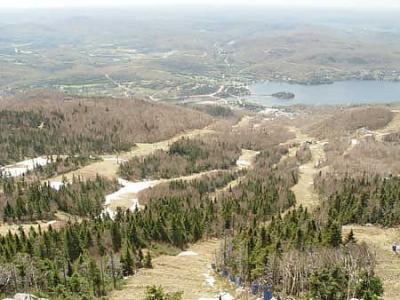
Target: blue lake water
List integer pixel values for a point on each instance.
(338, 93)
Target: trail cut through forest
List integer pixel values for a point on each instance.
(304, 189)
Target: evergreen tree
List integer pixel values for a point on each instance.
(116, 236)
(128, 263)
(148, 261)
(350, 237)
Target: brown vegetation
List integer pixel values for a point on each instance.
(368, 156)
(347, 121)
(63, 125)
(184, 157)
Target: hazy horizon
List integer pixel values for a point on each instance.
(363, 4)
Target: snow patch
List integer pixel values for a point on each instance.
(23, 296)
(227, 296)
(24, 166)
(224, 296)
(56, 185)
(242, 163)
(114, 158)
(129, 188)
(188, 253)
(135, 204)
(273, 113)
(210, 279)
(108, 211)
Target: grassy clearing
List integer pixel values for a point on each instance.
(175, 273)
(388, 263)
(61, 218)
(304, 189)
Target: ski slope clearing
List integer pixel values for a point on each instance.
(108, 166)
(176, 273)
(304, 189)
(24, 166)
(387, 262)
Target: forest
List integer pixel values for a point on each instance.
(298, 256)
(97, 252)
(361, 200)
(196, 188)
(269, 239)
(30, 201)
(44, 123)
(184, 157)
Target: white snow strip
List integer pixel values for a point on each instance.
(242, 163)
(135, 204)
(24, 166)
(113, 158)
(56, 185)
(224, 296)
(354, 142)
(129, 188)
(188, 253)
(227, 296)
(209, 279)
(108, 211)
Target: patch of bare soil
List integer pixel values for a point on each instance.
(186, 273)
(388, 263)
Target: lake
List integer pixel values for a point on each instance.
(338, 93)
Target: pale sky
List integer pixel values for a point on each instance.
(83, 3)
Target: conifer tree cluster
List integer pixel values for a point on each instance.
(361, 200)
(185, 156)
(266, 240)
(29, 201)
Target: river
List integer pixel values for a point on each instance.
(339, 93)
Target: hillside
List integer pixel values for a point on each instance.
(43, 123)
